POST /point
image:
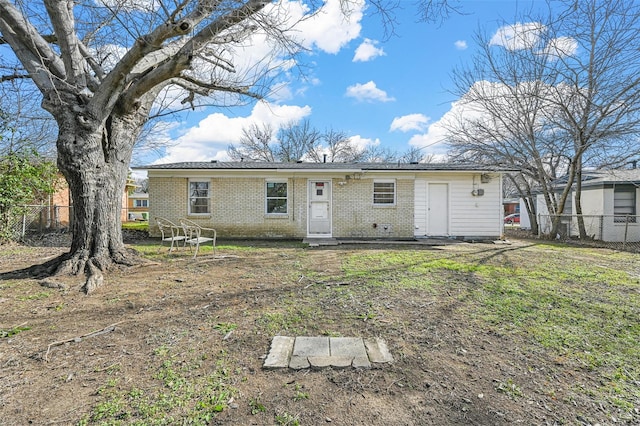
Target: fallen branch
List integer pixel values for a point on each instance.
(107, 329)
(328, 283)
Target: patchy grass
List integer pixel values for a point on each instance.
(586, 313)
(184, 390)
(10, 332)
(480, 334)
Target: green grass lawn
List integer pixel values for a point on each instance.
(137, 226)
(581, 304)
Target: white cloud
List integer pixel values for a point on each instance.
(461, 44)
(518, 36)
(367, 51)
(213, 134)
(329, 29)
(409, 122)
(280, 92)
(363, 143)
(368, 92)
(434, 140)
(465, 111)
(260, 56)
(560, 47)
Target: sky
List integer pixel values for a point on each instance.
(381, 90)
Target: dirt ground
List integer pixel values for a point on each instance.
(446, 370)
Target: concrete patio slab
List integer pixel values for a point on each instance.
(319, 362)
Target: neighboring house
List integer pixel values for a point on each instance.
(61, 203)
(511, 206)
(610, 206)
(330, 200)
(138, 206)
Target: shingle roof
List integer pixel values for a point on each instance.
(602, 177)
(248, 165)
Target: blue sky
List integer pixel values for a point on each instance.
(385, 91)
(388, 92)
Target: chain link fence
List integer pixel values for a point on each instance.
(29, 220)
(612, 231)
(25, 221)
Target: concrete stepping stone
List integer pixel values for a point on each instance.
(378, 351)
(305, 347)
(350, 347)
(319, 362)
(280, 352)
(322, 352)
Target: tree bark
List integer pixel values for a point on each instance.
(95, 163)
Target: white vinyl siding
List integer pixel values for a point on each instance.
(469, 215)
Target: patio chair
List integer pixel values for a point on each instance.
(170, 232)
(197, 235)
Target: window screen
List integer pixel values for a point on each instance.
(384, 193)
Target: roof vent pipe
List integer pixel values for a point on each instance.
(324, 159)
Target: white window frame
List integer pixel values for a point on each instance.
(140, 203)
(190, 197)
(629, 204)
(267, 198)
(395, 191)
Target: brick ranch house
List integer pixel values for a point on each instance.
(330, 200)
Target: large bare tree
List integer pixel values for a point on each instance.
(552, 95)
(100, 101)
(101, 65)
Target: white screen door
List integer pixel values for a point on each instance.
(319, 208)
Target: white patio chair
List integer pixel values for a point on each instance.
(197, 235)
(170, 232)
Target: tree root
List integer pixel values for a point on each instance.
(82, 262)
(94, 280)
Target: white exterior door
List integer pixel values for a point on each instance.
(431, 209)
(438, 209)
(319, 196)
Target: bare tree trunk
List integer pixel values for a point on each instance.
(566, 192)
(578, 198)
(96, 165)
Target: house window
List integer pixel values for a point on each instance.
(384, 192)
(624, 204)
(276, 198)
(199, 197)
(141, 203)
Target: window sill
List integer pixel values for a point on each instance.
(384, 206)
(276, 216)
(199, 215)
